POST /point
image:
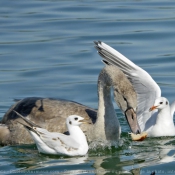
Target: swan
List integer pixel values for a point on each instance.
(56, 143)
(51, 114)
(154, 114)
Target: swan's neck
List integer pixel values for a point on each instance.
(107, 126)
(105, 106)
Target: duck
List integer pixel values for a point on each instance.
(51, 113)
(74, 144)
(154, 113)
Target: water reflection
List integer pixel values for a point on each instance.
(139, 155)
(150, 153)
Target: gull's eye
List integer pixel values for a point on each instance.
(166, 103)
(76, 118)
(161, 103)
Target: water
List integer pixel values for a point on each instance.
(46, 49)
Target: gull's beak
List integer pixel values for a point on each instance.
(132, 120)
(152, 108)
(85, 121)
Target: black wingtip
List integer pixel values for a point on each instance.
(27, 127)
(26, 120)
(98, 48)
(97, 42)
(105, 62)
(18, 114)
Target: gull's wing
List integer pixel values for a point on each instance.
(53, 139)
(146, 88)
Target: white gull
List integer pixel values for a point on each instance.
(56, 143)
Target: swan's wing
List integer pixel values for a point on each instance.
(53, 139)
(146, 88)
(172, 107)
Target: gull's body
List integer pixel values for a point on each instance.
(51, 114)
(147, 92)
(74, 144)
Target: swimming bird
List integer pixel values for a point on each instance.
(159, 120)
(74, 144)
(51, 114)
(164, 125)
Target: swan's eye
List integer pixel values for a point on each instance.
(161, 103)
(70, 122)
(76, 118)
(166, 103)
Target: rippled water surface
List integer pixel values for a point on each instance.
(46, 49)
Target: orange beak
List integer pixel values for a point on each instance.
(152, 108)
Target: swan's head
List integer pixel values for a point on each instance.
(75, 120)
(160, 103)
(127, 101)
(126, 98)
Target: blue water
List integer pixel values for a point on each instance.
(46, 49)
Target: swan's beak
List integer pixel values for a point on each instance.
(132, 120)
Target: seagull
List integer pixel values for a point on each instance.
(156, 120)
(51, 113)
(164, 125)
(74, 144)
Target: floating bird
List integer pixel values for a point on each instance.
(164, 125)
(74, 144)
(157, 120)
(51, 114)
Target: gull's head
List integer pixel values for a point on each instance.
(160, 103)
(75, 120)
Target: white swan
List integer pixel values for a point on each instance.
(148, 93)
(56, 143)
(51, 114)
